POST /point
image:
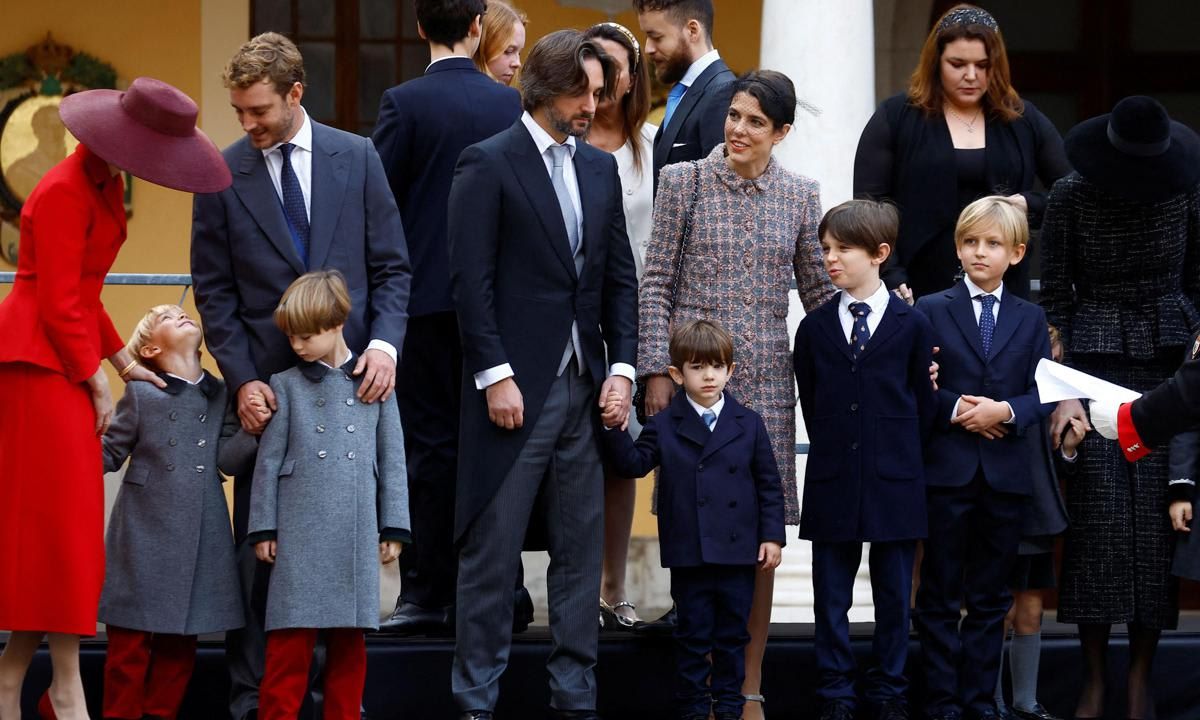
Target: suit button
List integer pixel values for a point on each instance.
(172, 415)
(320, 428)
(629, 191)
(733, 503)
(199, 468)
(321, 454)
(732, 537)
(320, 402)
(203, 418)
(853, 368)
(702, 502)
(350, 455)
(853, 407)
(172, 442)
(170, 467)
(201, 443)
(350, 428)
(349, 401)
(853, 446)
(700, 467)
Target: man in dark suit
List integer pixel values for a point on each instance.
(424, 124)
(679, 44)
(543, 281)
(305, 196)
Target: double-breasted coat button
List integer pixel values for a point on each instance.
(201, 443)
(320, 428)
(199, 468)
(853, 407)
(733, 503)
(350, 455)
(732, 537)
(172, 415)
(170, 467)
(350, 428)
(703, 502)
(853, 446)
(203, 418)
(349, 401)
(321, 454)
(172, 442)
(700, 467)
(320, 402)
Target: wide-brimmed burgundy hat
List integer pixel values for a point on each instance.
(1137, 151)
(150, 132)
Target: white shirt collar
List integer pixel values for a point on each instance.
(974, 290)
(349, 356)
(302, 139)
(700, 409)
(699, 66)
(542, 139)
(446, 57)
(189, 382)
(878, 301)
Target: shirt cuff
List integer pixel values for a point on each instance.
(486, 378)
(1012, 416)
(385, 346)
(954, 410)
(1127, 435)
(625, 370)
(1070, 459)
(255, 538)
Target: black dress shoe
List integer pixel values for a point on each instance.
(522, 610)
(893, 710)
(665, 625)
(835, 710)
(1037, 713)
(412, 619)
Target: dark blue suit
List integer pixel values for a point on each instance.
(867, 420)
(424, 125)
(698, 123)
(719, 497)
(978, 489)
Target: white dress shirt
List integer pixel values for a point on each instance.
(543, 141)
(698, 67)
(349, 357)
(302, 160)
(878, 302)
(977, 305)
(717, 407)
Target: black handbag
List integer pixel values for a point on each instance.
(639, 393)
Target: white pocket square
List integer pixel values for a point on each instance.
(678, 145)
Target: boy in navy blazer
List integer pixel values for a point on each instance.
(978, 465)
(720, 513)
(862, 367)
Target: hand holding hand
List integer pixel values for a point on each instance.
(1181, 514)
(389, 550)
(610, 416)
(622, 389)
(984, 416)
(1061, 417)
(379, 376)
(254, 416)
(770, 554)
(265, 551)
(1075, 432)
(506, 405)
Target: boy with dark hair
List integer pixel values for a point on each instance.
(713, 456)
(424, 124)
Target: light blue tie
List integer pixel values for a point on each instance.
(558, 153)
(987, 323)
(673, 98)
(710, 418)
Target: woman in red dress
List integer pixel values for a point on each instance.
(54, 332)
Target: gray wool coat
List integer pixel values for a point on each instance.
(170, 565)
(329, 482)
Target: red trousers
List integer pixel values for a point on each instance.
(285, 679)
(146, 673)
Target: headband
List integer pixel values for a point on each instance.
(637, 49)
(968, 16)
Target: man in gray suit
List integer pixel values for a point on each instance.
(305, 196)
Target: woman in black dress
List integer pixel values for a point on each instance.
(958, 133)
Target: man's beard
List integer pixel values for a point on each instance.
(566, 125)
(673, 70)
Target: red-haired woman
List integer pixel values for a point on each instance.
(958, 133)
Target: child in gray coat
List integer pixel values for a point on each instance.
(171, 573)
(329, 503)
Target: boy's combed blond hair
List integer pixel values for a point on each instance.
(143, 333)
(993, 211)
(314, 303)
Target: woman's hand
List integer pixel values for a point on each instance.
(659, 391)
(142, 373)
(1020, 201)
(1181, 515)
(101, 400)
(904, 293)
(1061, 418)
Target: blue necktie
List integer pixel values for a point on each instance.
(293, 204)
(860, 333)
(710, 418)
(987, 323)
(673, 98)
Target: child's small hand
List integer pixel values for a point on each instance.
(985, 416)
(612, 409)
(770, 554)
(389, 550)
(265, 551)
(1181, 515)
(1076, 429)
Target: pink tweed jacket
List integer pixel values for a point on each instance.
(749, 238)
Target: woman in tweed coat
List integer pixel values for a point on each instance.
(1121, 282)
(752, 228)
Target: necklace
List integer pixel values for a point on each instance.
(970, 126)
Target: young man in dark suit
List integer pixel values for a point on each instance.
(424, 124)
(977, 467)
(304, 196)
(679, 44)
(543, 280)
(720, 514)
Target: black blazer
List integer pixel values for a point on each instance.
(719, 493)
(908, 157)
(1171, 408)
(698, 124)
(423, 126)
(516, 290)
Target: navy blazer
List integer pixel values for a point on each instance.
(424, 124)
(867, 422)
(1021, 339)
(243, 257)
(517, 292)
(719, 495)
(698, 123)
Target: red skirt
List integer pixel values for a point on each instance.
(51, 503)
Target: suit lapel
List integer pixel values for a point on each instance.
(253, 186)
(1006, 321)
(828, 319)
(892, 320)
(728, 429)
(667, 135)
(964, 316)
(591, 200)
(687, 423)
(329, 176)
(531, 173)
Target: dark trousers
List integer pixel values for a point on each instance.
(974, 532)
(834, 568)
(146, 673)
(560, 462)
(713, 606)
(429, 392)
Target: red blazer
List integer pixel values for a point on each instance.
(72, 227)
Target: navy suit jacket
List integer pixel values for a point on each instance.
(698, 123)
(719, 495)
(517, 292)
(1021, 339)
(868, 420)
(424, 124)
